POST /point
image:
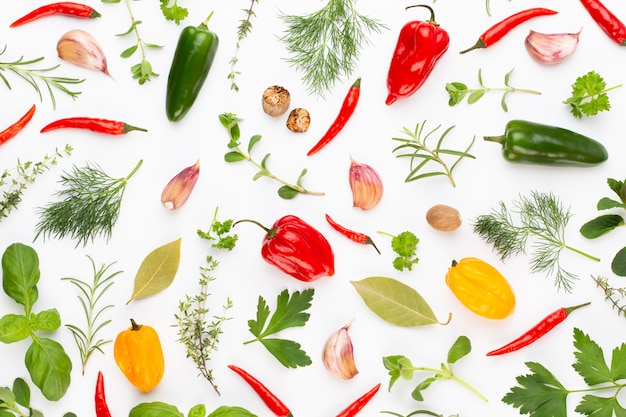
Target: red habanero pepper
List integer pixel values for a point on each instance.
(109, 127)
(538, 330)
(63, 8)
(102, 409)
(347, 108)
(296, 248)
(17, 127)
(420, 46)
(358, 405)
(497, 31)
(607, 21)
(272, 402)
(351, 234)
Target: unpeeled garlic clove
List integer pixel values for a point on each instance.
(553, 48)
(178, 190)
(338, 354)
(81, 48)
(366, 185)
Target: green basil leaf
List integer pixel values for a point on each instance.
(21, 390)
(48, 320)
(13, 328)
(35, 413)
(157, 271)
(395, 302)
(198, 410)
(459, 349)
(601, 225)
(69, 414)
(49, 367)
(155, 409)
(226, 411)
(607, 203)
(20, 274)
(5, 413)
(618, 265)
(7, 397)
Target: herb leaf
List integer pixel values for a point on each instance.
(601, 225)
(589, 95)
(157, 271)
(223, 240)
(172, 11)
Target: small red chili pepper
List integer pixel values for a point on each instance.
(607, 21)
(17, 127)
(351, 234)
(63, 8)
(358, 405)
(347, 108)
(272, 402)
(497, 31)
(420, 46)
(109, 127)
(102, 409)
(297, 248)
(538, 330)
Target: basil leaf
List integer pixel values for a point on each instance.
(7, 397)
(45, 320)
(198, 410)
(459, 349)
(49, 367)
(13, 328)
(226, 411)
(601, 225)
(607, 203)
(155, 409)
(618, 265)
(157, 271)
(21, 390)
(20, 274)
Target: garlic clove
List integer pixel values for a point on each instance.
(81, 48)
(338, 354)
(553, 48)
(366, 185)
(179, 188)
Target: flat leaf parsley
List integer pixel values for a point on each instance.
(589, 95)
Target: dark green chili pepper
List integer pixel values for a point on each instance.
(190, 66)
(536, 143)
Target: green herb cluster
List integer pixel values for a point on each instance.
(405, 246)
(13, 399)
(589, 95)
(172, 11)
(161, 409)
(222, 239)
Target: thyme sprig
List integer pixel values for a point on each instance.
(23, 69)
(90, 205)
(541, 217)
(616, 296)
(90, 295)
(199, 336)
(244, 29)
(325, 45)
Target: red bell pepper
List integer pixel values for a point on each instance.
(297, 248)
(420, 46)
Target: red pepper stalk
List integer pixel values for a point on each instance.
(297, 248)
(347, 108)
(608, 22)
(11, 131)
(272, 402)
(102, 409)
(420, 46)
(62, 8)
(360, 402)
(357, 237)
(537, 331)
(109, 127)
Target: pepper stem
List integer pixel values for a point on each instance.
(499, 139)
(205, 23)
(268, 230)
(432, 12)
(134, 325)
(568, 310)
(479, 44)
(127, 128)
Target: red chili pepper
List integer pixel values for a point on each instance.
(351, 234)
(538, 330)
(109, 127)
(420, 46)
(497, 31)
(17, 127)
(297, 248)
(607, 21)
(272, 402)
(347, 108)
(102, 409)
(356, 406)
(63, 8)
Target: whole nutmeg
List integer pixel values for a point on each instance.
(276, 100)
(299, 120)
(443, 218)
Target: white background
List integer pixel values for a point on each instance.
(243, 275)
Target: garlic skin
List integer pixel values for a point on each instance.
(366, 185)
(179, 188)
(81, 48)
(551, 49)
(338, 354)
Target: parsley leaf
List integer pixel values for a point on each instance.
(589, 95)
(173, 11)
(221, 230)
(405, 246)
(290, 312)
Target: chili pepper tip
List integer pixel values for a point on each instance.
(479, 44)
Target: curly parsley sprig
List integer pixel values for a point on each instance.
(405, 246)
(172, 11)
(589, 95)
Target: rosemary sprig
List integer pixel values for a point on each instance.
(616, 296)
(22, 68)
(542, 217)
(420, 154)
(15, 180)
(90, 206)
(326, 44)
(200, 337)
(245, 27)
(91, 294)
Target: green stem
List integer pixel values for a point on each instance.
(134, 170)
(447, 374)
(563, 245)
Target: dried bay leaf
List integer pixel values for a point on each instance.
(396, 302)
(157, 271)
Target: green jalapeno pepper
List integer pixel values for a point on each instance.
(192, 61)
(536, 143)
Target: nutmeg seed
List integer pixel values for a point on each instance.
(443, 218)
(276, 100)
(299, 120)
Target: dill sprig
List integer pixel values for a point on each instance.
(325, 45)
(15, 180)
(616, 296)
(91, 294)
(89, 208)
(245, 27)
(199, 336)
(541, 217)
(33, 76)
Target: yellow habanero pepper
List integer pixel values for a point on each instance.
(137, 351)
(481, 288)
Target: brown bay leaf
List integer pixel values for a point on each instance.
(396, 302)
(157, 271)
